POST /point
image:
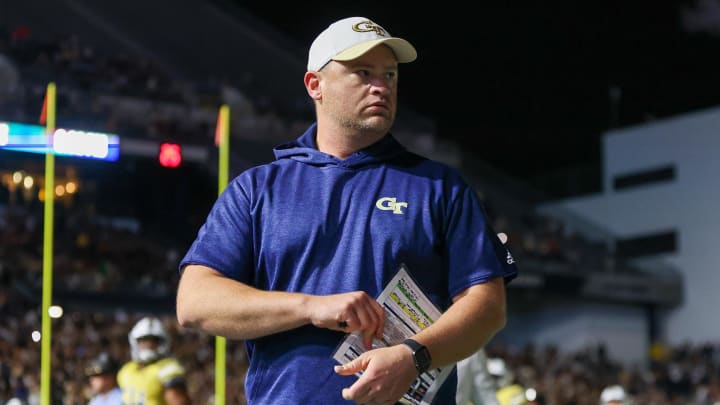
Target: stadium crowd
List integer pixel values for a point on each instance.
(105, 92)
(117, 92)
(680, 375)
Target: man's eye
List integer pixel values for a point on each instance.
(390, 75)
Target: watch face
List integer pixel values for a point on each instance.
(421, 355)
(422, 359)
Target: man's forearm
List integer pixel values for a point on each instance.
(474, 318)
(223, 307)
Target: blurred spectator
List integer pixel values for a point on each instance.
(509, 391)
(614, 395)
(102, 376)
(475, 383)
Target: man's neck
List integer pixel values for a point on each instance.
(343, 142)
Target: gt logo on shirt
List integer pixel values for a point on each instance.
(391, 204)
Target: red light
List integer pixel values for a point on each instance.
(170, 155)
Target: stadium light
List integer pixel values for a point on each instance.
(55, 311)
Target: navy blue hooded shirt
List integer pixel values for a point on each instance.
(312, 223)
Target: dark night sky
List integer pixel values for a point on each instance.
(527, 87)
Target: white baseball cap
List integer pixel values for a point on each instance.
(613, 393)
(352, 37)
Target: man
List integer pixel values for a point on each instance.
(614, 395)
(152, 377)
(101, 374)
(293, 252)
(509, 390)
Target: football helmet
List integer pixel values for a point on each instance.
(148, 327)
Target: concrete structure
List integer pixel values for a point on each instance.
(663, 178)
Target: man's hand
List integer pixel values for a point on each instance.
(349, 312)
(388, 373)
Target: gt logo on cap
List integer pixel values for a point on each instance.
(367, 26)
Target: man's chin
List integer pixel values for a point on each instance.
(379, 122)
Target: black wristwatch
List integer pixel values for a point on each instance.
(421, 355)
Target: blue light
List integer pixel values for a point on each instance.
(82, 144)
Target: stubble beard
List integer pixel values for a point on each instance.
(366, 126)
(359, 124)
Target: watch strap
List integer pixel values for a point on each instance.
(421, 355)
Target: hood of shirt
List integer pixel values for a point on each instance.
(304, 149)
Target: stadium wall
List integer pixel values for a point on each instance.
(661, 178)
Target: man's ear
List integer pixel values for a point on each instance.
(312, 85)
